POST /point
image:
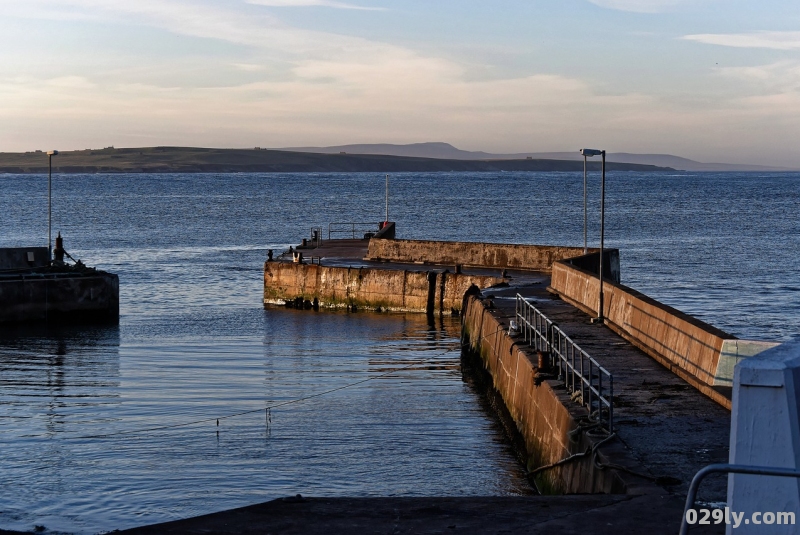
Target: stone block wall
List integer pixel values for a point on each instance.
(390, 289)
(489, 255)
(540, 411)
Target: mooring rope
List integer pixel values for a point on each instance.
(267, 409)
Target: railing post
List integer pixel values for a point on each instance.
(543, 335)
(591, 386)
(583, 382)
(572, 360)
(611, 405)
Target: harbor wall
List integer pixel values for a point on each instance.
(394, 290)
(71, 298)
(24, 257)
(542, 411)
(688, 347)
(487, 255)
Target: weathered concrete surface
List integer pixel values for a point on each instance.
(23, 257)
(60, 296)
(349, 252)
(685, 345)
(591, 262)
(496, 255)
(369, 287)
(563, 515)
(662, 423)
(550, 424)
(732, 353)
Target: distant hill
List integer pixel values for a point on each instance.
(194, 160)
(447, 151)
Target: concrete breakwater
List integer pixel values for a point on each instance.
(567, 448)
(551, 425)
(389, 278)
(32, 290)
(475, 254)
(76, 297)
(370, 288)
(697, 352)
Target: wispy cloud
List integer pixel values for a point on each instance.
(281, 85)
(71, 82)
(248, 67)
(777, 77)
(639, 6)
(765, 39)
(210, 20)
(312, 3)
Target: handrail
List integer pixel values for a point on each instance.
(576, 369)
(316, 236)
(352, 228)
(728, 468)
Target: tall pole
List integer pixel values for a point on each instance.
(50, 155)
(602, 232)
(387, 199)
(585, 247)
(49, 206)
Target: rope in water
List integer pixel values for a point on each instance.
(268, 408)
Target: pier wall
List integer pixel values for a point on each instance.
(488, 255)
(542, 411)
(24, 257)
(685, 345)
(63, 298)
(394, 290)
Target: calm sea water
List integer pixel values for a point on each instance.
(194, 343)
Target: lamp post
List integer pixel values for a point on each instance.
(602, 233)
(50, 155)
(589, 153)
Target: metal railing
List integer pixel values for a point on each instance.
(354, 230)
(316, 236)
(728, 468)
(576, 369)
(534, 326)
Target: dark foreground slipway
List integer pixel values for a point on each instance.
(596, 514)
(599, 514)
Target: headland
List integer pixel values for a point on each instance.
(258, 160)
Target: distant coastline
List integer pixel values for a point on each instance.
(204, 160)
(447, 151)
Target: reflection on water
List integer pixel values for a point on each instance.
(414, 429)
(43, 370)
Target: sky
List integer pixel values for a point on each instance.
(711, 80)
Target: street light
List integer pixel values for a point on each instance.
(50, 155)
(387, 199)
(589, 153)
(586, 153)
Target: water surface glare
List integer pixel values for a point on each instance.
(194, 343)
